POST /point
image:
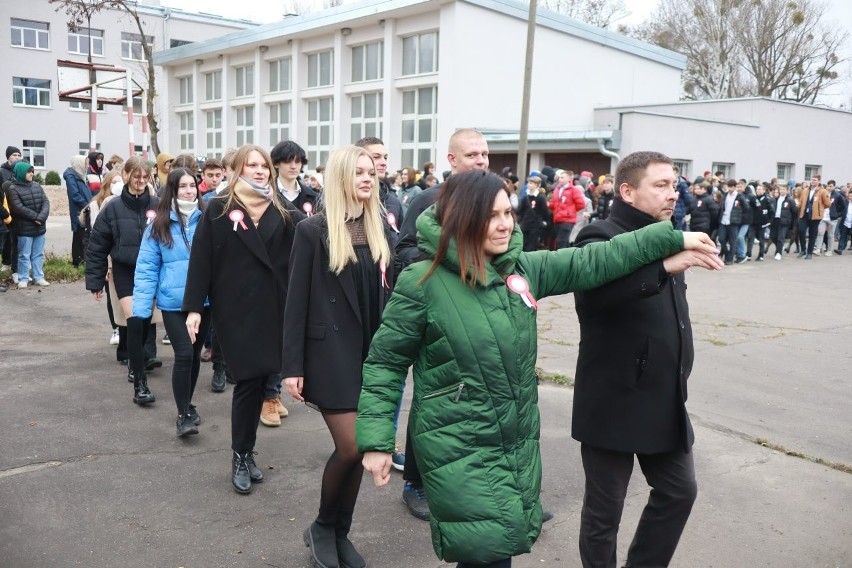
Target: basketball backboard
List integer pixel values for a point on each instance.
(75, 82)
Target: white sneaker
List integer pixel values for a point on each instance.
(829, 253)
(817, 252)
(22, 285)
(42, 282)
(15, 277)
(777, 256)
(114, 340)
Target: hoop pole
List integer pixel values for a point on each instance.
(93, 121)
(130, 134)
(145, 141)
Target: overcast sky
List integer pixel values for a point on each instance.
(271, 10)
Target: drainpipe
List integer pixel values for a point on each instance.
(167, 13)
(607, 152)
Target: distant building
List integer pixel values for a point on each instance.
(50, 131)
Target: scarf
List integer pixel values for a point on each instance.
(254, 198)
(186, 208)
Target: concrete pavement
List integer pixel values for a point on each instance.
(88, 479)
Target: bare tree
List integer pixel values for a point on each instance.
(600, 13)
(79, 11)
(299, 7)
(774, 48)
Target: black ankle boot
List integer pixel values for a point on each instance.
(321, 540)
(241, 479)
(185, 425)
(141, 393)
(255, 474)
(349, 557)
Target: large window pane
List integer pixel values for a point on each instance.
(325, 110)
(325, 68)
(370, 107)
(409, 55)
(408, 131)
(358, 63)
(425, 103)
(427, 53)
(357, 103)
(408, 101)
(374, 61)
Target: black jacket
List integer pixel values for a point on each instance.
(838, 206)
(635, 356)
(748, 212)
(604, 204)
(789, 211)
(306, 195)
(322, 321)
(406, 246)
(763, 212)
(117, 233)
(703, 211)
(737, 211)
(6, 172)
(533, 212)
(392, 204)
(29, 207)
(244, 272)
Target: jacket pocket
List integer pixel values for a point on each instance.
(454, 390)
(315, 331)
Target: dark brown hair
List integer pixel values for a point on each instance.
(632, 168)
(464, 211)
(161, 228)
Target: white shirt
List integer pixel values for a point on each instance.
(847, 221)
(730, 199)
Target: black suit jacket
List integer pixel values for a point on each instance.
(635, 354)
(244, 272)
(322, 321)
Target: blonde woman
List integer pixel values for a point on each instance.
(340, 280)
(239, 260)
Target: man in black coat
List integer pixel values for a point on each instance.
(389, 200)
(635, 357)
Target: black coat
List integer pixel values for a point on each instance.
(306, 195)
(29, 207)
(763, 212)
(789, 211)
(604, 204)
(737, 211)
(533, 213)
(322, 321)
(635, 354)
(244, 273)
(117, 233)
(406, 247)
(703, 211)
(839, 203)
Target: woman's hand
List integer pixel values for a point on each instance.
(294, 387)
(98, 294)
(193, 322)
(700, 242)
(686, 259)
(109, 274)
(379, 466)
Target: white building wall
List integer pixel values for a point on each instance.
(60, 128)
(754, 135)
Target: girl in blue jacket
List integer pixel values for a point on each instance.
(161, 274)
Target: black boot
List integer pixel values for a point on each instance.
(320, 539)
(185, 425)
(349, 557)
(254, 472)
(241, 479)
(141, 393)
(218, 382)
(193, 415)
(130, 375)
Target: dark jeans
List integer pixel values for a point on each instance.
(563, 235)
(673, 491)
(272, 388)
(808, 234)
(778, 235)
(758, 232)
(78, 252)
(245, 413)
(505, 563)
(844, 236)
(728, 236)
(187, 355)
(531, 239)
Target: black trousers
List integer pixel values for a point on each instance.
(78, 252)
(673, 490)
(410, 471)
(187, 355)
(563, 235)
(778, 235)
(756, 231)
(808, 234)
(505, 563)
(728, 241)
(245, 413)
(532, 238)
(10, 249)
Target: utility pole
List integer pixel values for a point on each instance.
(523, 134)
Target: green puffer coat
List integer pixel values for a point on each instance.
(475, 414)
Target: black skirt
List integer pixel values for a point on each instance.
(122, 277)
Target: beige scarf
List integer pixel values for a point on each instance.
(252, 199)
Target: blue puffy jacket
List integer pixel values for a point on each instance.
(161, 271)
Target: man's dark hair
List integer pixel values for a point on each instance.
(719, 173)
(369, 141)
(831, 182)
(287, 151)
(731, 183)
(632, 168)
(212, 164)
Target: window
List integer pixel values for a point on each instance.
(137, 106)
(214, 132)
(367, 115)
(420, 54)
(785, 171)
(32, 151)
(279, 122)
(245, 125)
(368, 62)
(79, 42)
(279, 75)
(320, 69)
(320, 124)
(213, 86)
(726, 169)
(685, 167)
(811, 171)
(83, 148)
(79, 105)
(419, 125)
(245, 80)
(185, 89)
(30, 92)
(187, 131)
(131, 46)
(178, 42)
(138, 149)
(29, 34)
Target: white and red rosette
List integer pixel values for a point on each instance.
(521, 287)
(308, 208)
(392, 222)
(150, 214)
(237, 217)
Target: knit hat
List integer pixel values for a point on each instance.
(548, 173)
(12, 150)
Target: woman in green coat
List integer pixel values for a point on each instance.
(466, 320)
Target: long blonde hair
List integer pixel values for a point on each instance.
(237, 163)
(340, 203)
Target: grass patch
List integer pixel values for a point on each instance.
(563, 380)
(717, 342)
(58, 269)
(561, 342)
(839, 466)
